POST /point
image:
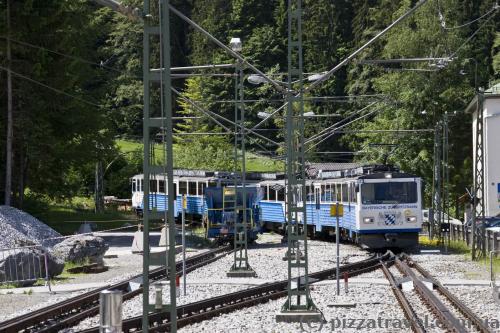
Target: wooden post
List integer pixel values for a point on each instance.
(10, 135)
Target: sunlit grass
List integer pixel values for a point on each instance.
(454, 246)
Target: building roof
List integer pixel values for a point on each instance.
(492, 92)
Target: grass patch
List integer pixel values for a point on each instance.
(9, 286)
(254, 162)
(496, 264)
(69, 265)
(454, 246)
(66, 217)
(257, 163)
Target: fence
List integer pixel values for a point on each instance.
(463, 233)
(24, 265)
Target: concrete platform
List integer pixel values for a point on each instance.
(298, 316)
(241, 273)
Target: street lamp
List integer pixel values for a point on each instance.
(236, 44)
(256, 79)
(263, 115)
(463, 72)
(315, 77)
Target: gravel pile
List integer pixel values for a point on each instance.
(18, 228)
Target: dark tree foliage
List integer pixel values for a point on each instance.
(59, 138)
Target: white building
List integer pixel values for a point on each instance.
(490, 102)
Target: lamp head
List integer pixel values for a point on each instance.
(235, 44)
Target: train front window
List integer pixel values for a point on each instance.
(389, 193)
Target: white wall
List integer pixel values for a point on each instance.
(492, 155)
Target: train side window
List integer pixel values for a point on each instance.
(266, 192)
(345, 197)
(201, 188)
(309, 193)
(272, 194)
(183, 186)
(281, 194)
(161, 186)
(153, 185)
(192, 188)
(134, 189)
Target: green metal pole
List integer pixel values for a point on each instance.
(151, 169)
(241, 266)
(146, 172)
(299, 305)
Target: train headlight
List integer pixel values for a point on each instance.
(411, 219)
(368, 219)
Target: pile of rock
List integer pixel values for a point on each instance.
(80, 248)
(18, 228)
(29, 248)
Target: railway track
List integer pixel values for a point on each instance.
(206, 309)
(71, 311)
(443, 306)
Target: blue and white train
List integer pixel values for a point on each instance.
(382, 206)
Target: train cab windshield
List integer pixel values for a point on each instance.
(389, 193)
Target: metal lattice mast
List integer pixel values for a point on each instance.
(446, 173)
(157, 25)
(299, 304)
(478, 209)
(436, 188)
(240, 267)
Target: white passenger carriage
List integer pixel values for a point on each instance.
(382, 206)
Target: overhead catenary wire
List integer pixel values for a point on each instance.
(326, 75)
(471, 36)
(51, 88)
(322, 132)
(443, 21)
(342, 126)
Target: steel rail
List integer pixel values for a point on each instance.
(441, 311)
(410, 314)
(466, 311)
(71, 311)
(206, 309)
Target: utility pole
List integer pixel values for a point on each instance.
(478, 207)
(157, 27)
(99, 188)
(435, 223)
(10, 135)
(299, 306)
(240, 266)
